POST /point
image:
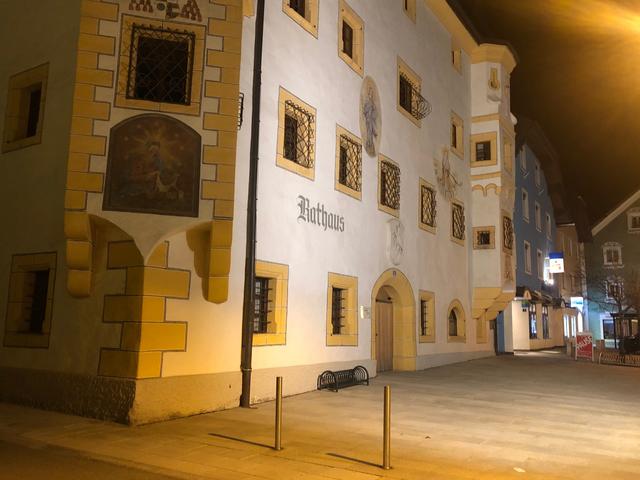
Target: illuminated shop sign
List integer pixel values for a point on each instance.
(556, 262)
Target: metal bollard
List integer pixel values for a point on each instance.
(386, 442)
(278, 438)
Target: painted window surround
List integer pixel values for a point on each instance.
(430, 299)
(348, 15)
(310, 21)
(349, 337)
(278, 275)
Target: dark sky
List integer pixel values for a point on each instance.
(578, 76)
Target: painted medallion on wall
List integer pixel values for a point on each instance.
(370, 116)
(447, 178)
(153, 167)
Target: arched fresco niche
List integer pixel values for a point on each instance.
(153, 167)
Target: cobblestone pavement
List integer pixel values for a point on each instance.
(536, 416)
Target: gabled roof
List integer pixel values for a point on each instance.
(616, 212)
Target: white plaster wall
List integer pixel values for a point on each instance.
(520, 324)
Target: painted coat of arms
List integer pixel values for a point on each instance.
(153, 167)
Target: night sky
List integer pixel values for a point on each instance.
(578, 76)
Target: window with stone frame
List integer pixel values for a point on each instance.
(410, 101)
(484, 237)
(351, 37)
(24, 111)
(507, 233)
(389, 189)
(427, 317)
(160, 65)
(263, 305)
(458, 226)
(457, 135)
(484, 150)
(296, 135)
(349, 163)
(304, 13)
(633, 220)
(428, 206)
(614, 290)
(342, 317)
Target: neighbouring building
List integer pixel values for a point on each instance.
(385, 197)
(535, 318)
(613, 274)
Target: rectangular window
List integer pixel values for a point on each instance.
(457, 135)
(612, 254)
(161, 65)
(424, 317)
(296, 135)
(533, 321)
(457, 222)
(337, 310)
(37, 284)
(523, 159)
(545, 322)
(538, 175)
(483, 151)
(389, 186)
(633, 221)
(507, 233)
(527, 257)
(298, 6)
(351, 38)
(456, 58)
(484, 237)
(347, 39)
(409, 7)
(427, 206)
(540, 264)
(350, 163)
(427, 317)
(262, 307)
(410, 102)
(24, 108)
(304, 13)
(342, 315)
(548, 224)
(525, 205)
(538, 215)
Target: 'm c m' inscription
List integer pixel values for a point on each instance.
(318, 215)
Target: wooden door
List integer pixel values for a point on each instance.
(384, 336)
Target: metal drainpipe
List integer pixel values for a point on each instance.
(250, 262)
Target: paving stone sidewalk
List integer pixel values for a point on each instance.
(536, 416)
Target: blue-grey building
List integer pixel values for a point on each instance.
(534, 319)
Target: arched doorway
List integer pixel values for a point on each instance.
(393, 322)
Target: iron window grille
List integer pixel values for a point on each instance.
(350, 164)
(533, 321)
(37, 288)
(507, 233)
(347, 39)
(428, 206)
(298, 134)
(483, 151)
(390, 185)
(453, 324)
(424, 317)
(483, 238)
(160, 65)
(411, 100)
(240, 110)
(337, 310)
(458, 225)
(262, 305)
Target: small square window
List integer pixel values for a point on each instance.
(161, 65)
(458, 226)
(389, 187)
(484, 238)
(633, 220)
(428, 207)
(348, 163)
(484, 152)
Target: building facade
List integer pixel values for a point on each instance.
(612, 269)
(385, 198)
(534, 319)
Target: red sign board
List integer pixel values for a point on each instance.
(584, 345)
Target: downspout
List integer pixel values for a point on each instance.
(250, 262)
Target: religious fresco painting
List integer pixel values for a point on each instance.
(153, 167)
